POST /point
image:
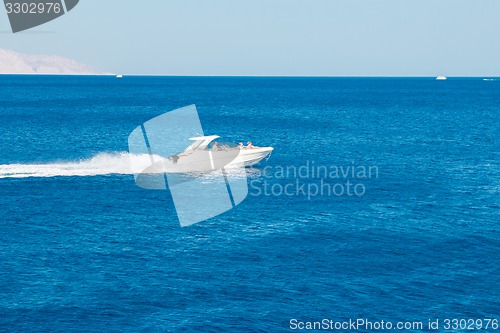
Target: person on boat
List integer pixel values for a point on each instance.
(215, 147)
(174, 158)
(241, 145)
(249, 145)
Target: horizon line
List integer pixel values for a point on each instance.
(270, 76)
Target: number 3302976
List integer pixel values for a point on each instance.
(33, 8)
(470, 324)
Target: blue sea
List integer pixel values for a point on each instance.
(83, 249)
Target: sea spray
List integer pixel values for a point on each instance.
(100, 164)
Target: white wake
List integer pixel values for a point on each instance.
(101, 164)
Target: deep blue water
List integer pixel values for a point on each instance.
(97, 253)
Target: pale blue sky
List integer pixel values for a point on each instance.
(274, 37)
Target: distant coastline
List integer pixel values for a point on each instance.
(57, 74)
(12, 62)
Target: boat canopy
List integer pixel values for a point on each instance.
(208, 137)
(200, 143)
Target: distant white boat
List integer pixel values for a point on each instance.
(441, 77)
(119, 76)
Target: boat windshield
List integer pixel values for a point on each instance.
(192, 147)
(223, 146)
(208, 144)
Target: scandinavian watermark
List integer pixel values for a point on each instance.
(170, 152)
(364, 324)
(311, 180)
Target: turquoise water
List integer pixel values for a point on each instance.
(85, 249)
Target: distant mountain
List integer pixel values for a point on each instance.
(17, 63)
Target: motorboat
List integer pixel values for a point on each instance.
(441, 77)
(206, 154)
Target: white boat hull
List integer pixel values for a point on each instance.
(206, 160)
(249, 157)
